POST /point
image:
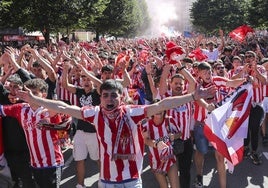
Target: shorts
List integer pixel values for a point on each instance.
(136, 183)
(265, 104)
(201, 141)
(85, 143)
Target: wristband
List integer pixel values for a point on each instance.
(156, 143)
(179, 69)
(193, 96)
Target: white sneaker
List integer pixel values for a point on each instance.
(80, 186)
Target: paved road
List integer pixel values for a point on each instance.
(245, 174)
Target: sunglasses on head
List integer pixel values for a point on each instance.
(219, 68)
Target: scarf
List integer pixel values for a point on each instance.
(123, 146)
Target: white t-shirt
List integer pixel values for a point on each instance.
(213, 56)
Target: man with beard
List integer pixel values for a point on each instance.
(180, 84)
(219, 69)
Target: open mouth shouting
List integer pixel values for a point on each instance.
(110, 106)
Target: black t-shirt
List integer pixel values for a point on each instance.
(86, 99)
(51, 88)
(13, 134)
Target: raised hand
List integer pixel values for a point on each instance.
(204, 92)
(11, 53)
(25, 95)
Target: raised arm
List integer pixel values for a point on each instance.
(45, 65)
(11, 54)
(163, 87)
(65, 78)
(97, 82)
(188, 76)
(148, 69)
(24, 74)
(53, 105)
(126, 77)
(173, 102)
(222, 41)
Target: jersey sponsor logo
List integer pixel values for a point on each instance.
(85, 100)
(181, 108)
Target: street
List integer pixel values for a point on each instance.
(245, 174)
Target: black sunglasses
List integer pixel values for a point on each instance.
(248, 56)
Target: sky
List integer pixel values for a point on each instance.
(161, 12)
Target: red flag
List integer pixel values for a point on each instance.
(226, 126)
(198, 55)
(174, 52)
(240, 33)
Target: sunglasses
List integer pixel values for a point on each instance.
(219, 68)
(248, 56)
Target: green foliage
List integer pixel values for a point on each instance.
(208, 16)
(114, 17)
(4, 9)
(123, 18)
(91, 12)
(41, 15)
(257, 13)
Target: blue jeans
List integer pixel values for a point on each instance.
(201, 141)
(136, 183)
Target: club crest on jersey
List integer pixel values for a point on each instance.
(182, 108)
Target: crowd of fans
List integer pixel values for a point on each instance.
(149, 71)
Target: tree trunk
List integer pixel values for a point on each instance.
(47, 37)
(97, 36)
(46, 34)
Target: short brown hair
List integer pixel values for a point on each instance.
(204, 66)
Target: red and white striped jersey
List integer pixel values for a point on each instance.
(161, 160)
(258, 94)
(183, 116)
(117, 170)
(222, 91)
(258, 90)
(43, 143)
(230, 73)
(64, 95)
(265, 90)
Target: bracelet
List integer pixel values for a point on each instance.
(193, 96)
(179, 69)
(156, 143)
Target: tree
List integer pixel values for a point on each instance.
(257, 13)
(41, 15)
(115, 17)
(144, 17)
(209, 15)
(4, 9)
(123, 18)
